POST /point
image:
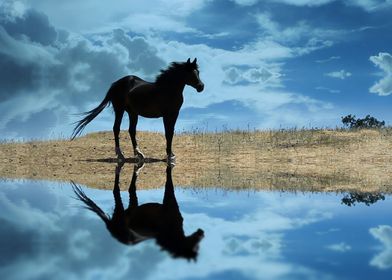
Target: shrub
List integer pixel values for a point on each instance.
(368, 122)
(357, 197)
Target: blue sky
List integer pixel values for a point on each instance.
(265, 64)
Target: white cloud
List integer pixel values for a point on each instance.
(245, 2)
(238, 243)
(260, 75)
(275, 107)
(383, 233)
(237, 75)
(370, 5)
(303, 2)
(37, 238)
(328, 231)
(256, 240)
(9, 10)
(16, 212)
(24, 51)
(309, 3)
(73, 74)
(327, 89)
(137, 16)
(384, 86)
(58, 78)
(339, 247)
(341, 74)
(367, 5)
(301, 38)
(328, 59)
(137, 23)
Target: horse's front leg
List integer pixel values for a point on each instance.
(116, 131)
(169, 198)
(118, 212)
(169, 122)
(133, 201)
(133, 118)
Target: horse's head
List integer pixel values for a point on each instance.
(192, 78)
(189, 247)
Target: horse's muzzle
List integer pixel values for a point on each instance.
(200, 87)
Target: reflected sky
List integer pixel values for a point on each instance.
(46, 234)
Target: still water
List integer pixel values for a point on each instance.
(45, 233)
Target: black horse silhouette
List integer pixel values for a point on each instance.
(163, 98)
(162, 221)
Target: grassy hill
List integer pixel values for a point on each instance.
(297, 160)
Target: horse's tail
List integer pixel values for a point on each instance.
(90, 115)
(90, 205)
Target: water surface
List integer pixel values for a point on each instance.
(46, 234)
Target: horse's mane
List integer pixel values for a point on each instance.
(173, 71)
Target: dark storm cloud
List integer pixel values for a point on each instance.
(21, 66)
(143, 57)
(33, 25)
(59, 243)
(12, 241)
(86, 69)
(15, 77)
(22, 44)
(44, 64)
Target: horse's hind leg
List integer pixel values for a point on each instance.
(133, 118)
(116, 131)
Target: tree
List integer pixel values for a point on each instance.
(351, 122)
(367, 198)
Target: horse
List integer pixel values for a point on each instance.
(161, 221)
(162, 98)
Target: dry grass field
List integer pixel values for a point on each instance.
(288, 160)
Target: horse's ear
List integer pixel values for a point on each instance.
(194, 61)
(188, 61)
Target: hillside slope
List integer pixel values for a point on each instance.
(315, 160)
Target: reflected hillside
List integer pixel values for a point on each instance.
(295, 160)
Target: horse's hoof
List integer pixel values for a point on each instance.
(171, 159)
(119, 166)
(139, 157)
(172, 156)
(120, 158)
(138, 167)
(138, 154)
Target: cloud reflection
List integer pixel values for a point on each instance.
(256, 235)
(339, 247)
(383, 233)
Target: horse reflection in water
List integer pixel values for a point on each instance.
(161, 221)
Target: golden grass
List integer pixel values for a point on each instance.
(296, 160)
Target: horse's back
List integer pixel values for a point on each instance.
(145, 219)
(144, 99)
(127, 83)
(153, 217)
(121, 89)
